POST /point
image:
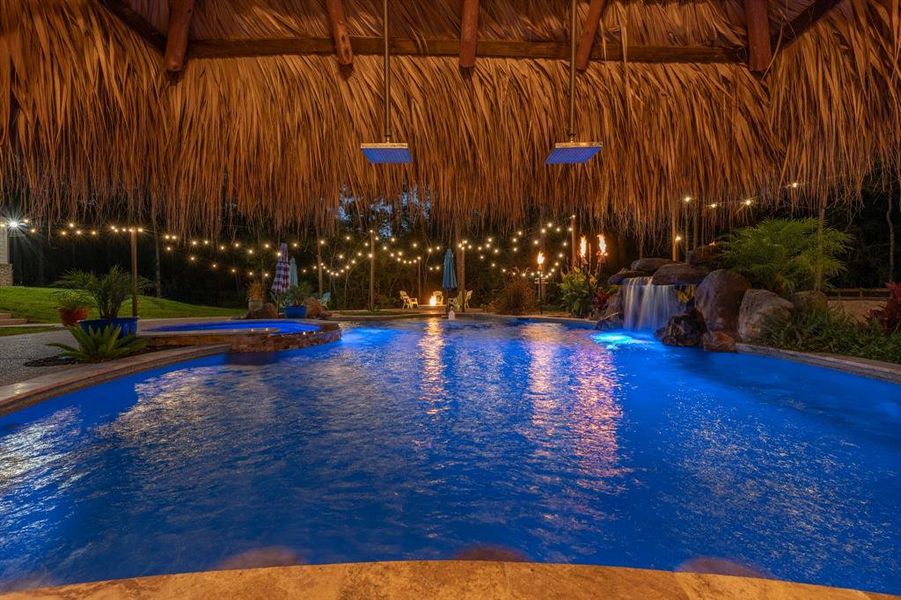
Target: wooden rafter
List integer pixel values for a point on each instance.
(760, 52)
(804, 21)
(469, 33)
(373, 46)
(136, 22)
(180, 12)
(338, 22)
(592, 21)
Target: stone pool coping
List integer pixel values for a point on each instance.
(850, 364)
(244, 339)
(446, 579)
(17, 396)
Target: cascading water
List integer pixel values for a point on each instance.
(648, 306)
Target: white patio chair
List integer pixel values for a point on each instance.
(408, 301)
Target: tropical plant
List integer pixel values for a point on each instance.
(255, 291)
(888, 318)
(107, 293)
(296, 295)
(785, 255)
(517, 297)
(577, 289)
(600, 300)
(818, 329)
(66, 300)
(95, 345)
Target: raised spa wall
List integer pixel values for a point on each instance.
(247, 341)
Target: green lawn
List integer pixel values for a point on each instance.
(14, 330)
(38, 306)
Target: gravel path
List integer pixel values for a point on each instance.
(18, 349)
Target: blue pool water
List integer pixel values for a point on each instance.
(280, 325)
(420, 440)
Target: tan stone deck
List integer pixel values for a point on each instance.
(457, 580)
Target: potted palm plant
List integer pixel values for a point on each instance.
(108, 293)
(294, 298)
(72, 306)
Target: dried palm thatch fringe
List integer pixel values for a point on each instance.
(89, 122)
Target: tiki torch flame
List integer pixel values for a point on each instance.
(602, 245)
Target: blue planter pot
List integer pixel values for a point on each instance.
(296, 312)
(127, 325)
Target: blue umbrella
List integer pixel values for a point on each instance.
(292, 273)
(450, 275)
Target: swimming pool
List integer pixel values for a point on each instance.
(255, 325)
(419, 440)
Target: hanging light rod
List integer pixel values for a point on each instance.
(387, 152)
(572, 152)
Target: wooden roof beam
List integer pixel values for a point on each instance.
(469, 33)
(136, 22)
(809, 17)
(760, 53)
(180, 12)
(374, 46)
(596, 11)
(343, 49)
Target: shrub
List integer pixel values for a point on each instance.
(577, 289)
(783, 255)
(517, 297)
(600, 300)
(108, 292)
(97, 345)
(71, 299)
(888, 318)
(813, 329)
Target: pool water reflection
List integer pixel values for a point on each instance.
(422, 440)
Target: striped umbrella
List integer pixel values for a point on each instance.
(280, 281)
(450, 274)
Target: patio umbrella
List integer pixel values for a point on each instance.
(280, 281)
(450, 275)
(292, 273)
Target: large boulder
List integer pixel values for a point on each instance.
(810, 300)
(757, 307)
(620, 277)
(679, 274)
(614, 305)
(267, 311)
(718, 341)
(649, 265)
(718, 299)
(684, 330)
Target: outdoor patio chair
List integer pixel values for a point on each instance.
(408, 301)
(325, 299)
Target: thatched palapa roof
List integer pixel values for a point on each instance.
(90, 121)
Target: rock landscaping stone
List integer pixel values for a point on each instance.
(718, 299)
(684, 330)
(267, 311)
(718, 341)
(649, 265)
(679, 274)
(703, 255)
(757, 307)
(623, 274)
